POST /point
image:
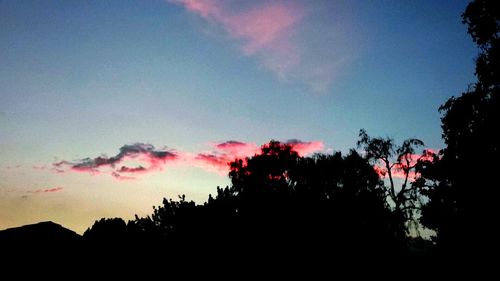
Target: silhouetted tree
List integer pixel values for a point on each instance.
(345, 201)
(264, 174)
(111, 230)
(327, 200)
(175, 221)
(389, 158)
(462, 180)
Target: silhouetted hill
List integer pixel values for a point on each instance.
(39, 233)
(40, 246)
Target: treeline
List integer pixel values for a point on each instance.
(277, 201)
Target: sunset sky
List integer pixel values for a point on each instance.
(106, 107)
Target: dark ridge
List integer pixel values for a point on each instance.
(46, 232)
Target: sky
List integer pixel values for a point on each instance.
(106, 107)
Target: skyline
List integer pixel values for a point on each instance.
(85, 79)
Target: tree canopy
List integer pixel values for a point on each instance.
(279, 200)
(462, 180)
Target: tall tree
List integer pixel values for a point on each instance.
(397, 163)
(328, 201)
(463, 182)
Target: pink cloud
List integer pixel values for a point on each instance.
(218, 159)
(263, 26)
(263, 29)
(305, 147)
(297, 41)
(205, 8)
(266, 27)
(137, 152)
(398, 170)
(238, 149)
(48, 190)
(213, 162)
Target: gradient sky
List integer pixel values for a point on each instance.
(106, 107)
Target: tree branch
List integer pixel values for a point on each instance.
(392, 191)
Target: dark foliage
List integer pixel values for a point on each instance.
(279, 205)
(461, 182)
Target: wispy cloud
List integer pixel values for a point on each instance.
(48, 190)
(274, 32)
(266, 26)
(122, 177)
(12, 167)
(213, 162)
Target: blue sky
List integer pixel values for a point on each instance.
(81, 79)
